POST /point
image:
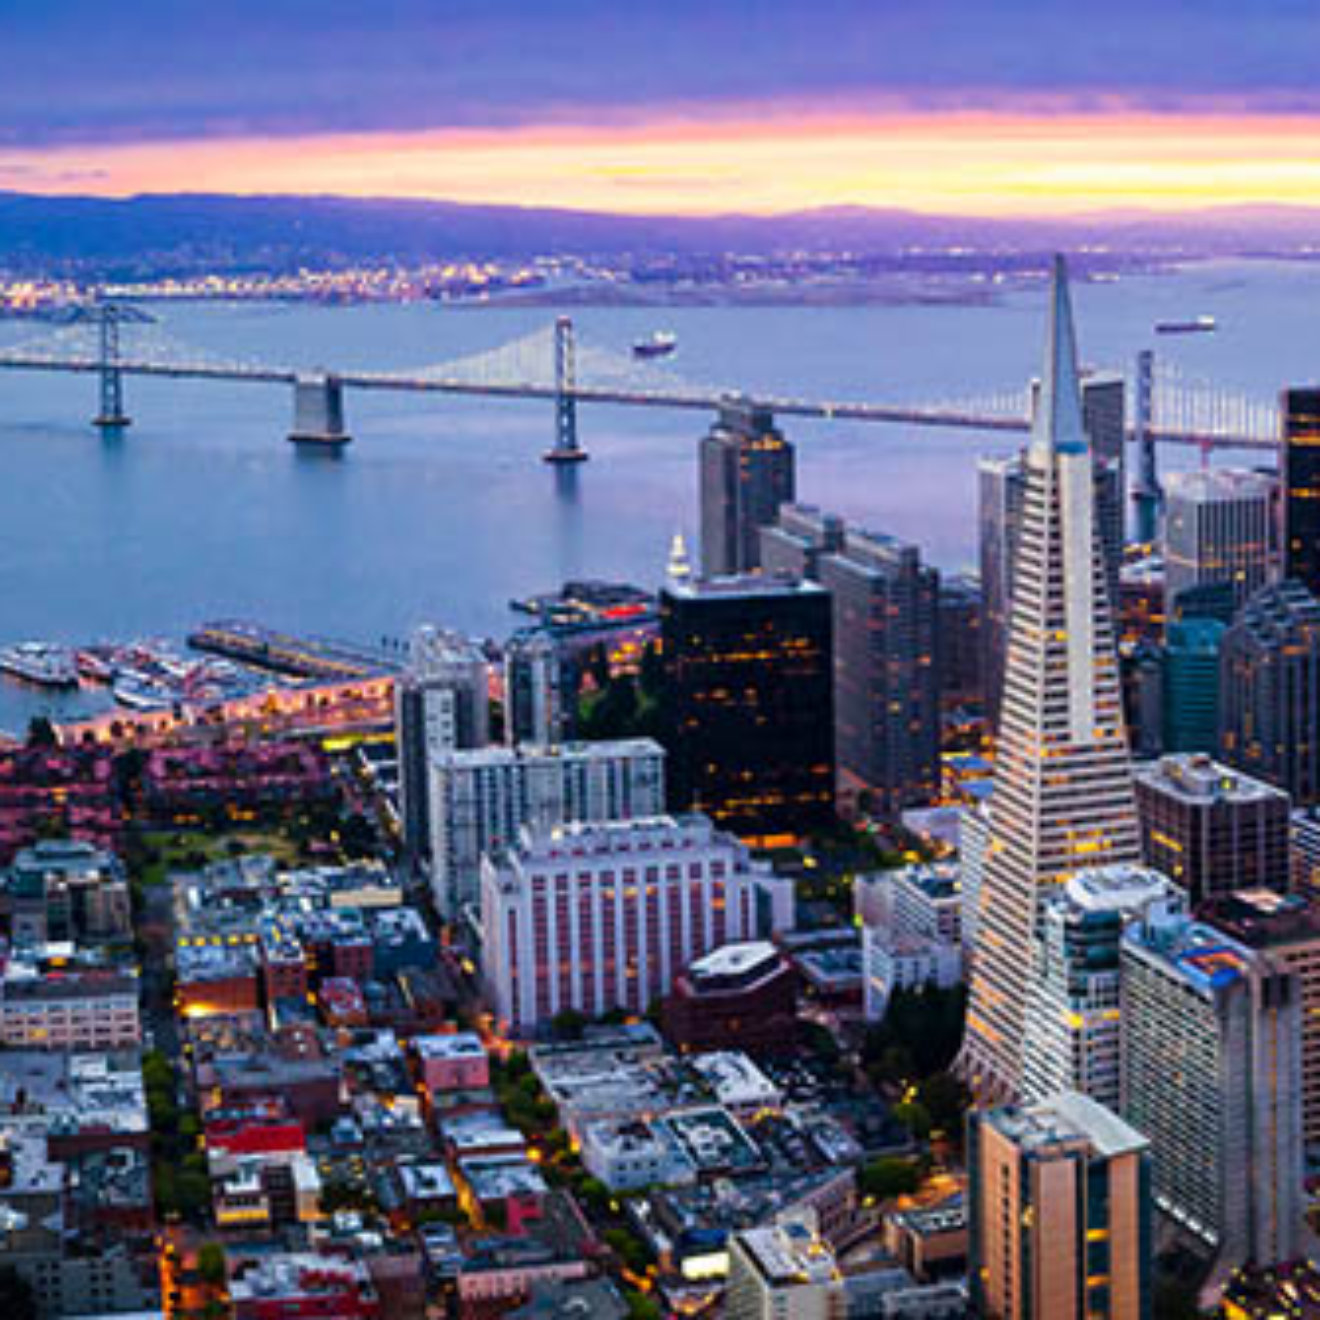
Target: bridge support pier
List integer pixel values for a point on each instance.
(318, 412)
(566, 448)
(1147, 497)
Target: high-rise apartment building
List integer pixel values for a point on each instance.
(960, 647)
(441, 704)
(1299, 480)
(538, 694)
(1211, 829)
(1218, 528)
(594, 917)
(1063, 798)
(1212, 1076)
(1270, 690)
(1059, 1201)
(1072, 1038)
(886, 639)
(747, 709)
(1287, 928)
(746, 474)
(480, 800)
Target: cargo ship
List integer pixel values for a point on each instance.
(1199, 325)
(40, 662)
(660, 343)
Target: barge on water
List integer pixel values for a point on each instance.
(40, 662)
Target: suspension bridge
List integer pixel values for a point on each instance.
(113, 341)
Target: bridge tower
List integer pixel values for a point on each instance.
(1146, 493)
(318, 412)
(109, 316)
(566, 448)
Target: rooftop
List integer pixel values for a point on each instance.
(1062, 1121)
(459, 1045)
(1263, 919)
(1123, 888)
(749, 586)
(1194, 778)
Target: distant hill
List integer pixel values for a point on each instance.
(165, 233)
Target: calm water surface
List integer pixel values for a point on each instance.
(442, 510)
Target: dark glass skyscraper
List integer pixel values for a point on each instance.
(746, 474)
(747, 713)
(1299, 470)
(1270, 690)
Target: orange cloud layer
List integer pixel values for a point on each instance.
(982, 164)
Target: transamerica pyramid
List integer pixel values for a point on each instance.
(1063, 799)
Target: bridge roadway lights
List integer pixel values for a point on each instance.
(318, 413)
(566, 455)
(112, 424)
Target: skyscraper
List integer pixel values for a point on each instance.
(1212, 1076)
(537, 691)
(885, 604)
(1269, 683)
(441, 704)
(1002, 484)
(746, 474)
(1299, 473)
(1059, 1213)
(1191, 685)
(1063, 799)
(1072, 1038)
(1218, 528)
(747, 708)
(1210, 830)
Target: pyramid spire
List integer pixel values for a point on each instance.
(1058, 422)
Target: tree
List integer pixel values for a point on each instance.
(41, 732)
(17, 1300)
(945, 1099)
(568, 1024)
(886, 1178)
(913, 1116)
(211, 1263)
(642, 1307)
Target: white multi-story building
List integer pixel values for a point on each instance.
(1063, 794)
(594, 917)
(912, 931)
(632, 1154)
(480, 800)
(441, 704)
(1073, 1026)
(1212, 1075)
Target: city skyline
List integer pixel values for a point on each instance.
(688, 109)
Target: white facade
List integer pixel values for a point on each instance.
(1073, 1022)
(1218, 528)
(630, 1155)
(594, 917)
(75, 1013)
(890, 964)
(1064, 800)
(481, 799)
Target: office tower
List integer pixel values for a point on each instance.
(1191, 685)
(594, 917)
(1141, 613)
(1217, 529)
(481, 799)
(441, 704)
(1063, 799)
(1269, 683)
(1305, 851)
(746, 474)
(960, 646)
(1299, 481)
(1002, 484)
(886, 614)
(794, 544)
(1141, 671)
(1287, 928)
(1072, 1037)
(1212, 1076)
(1210, 829)
(1059, 1213)
(747, 710)
(538, 691)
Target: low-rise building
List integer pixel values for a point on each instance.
(274, 1285)
(740, 996)
(633, 1154)
(54, 1009)
(456, 1062)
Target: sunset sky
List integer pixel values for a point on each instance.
(691, 106)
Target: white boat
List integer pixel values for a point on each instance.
(659, 343)
(40, 662)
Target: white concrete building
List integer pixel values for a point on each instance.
(481, 800)
(594, 917)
